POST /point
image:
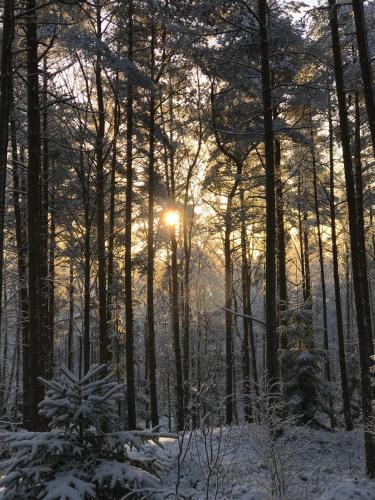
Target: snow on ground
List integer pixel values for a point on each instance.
(242, 463)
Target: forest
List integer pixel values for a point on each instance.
(187, 249)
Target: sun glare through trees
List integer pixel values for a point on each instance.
(187, 249)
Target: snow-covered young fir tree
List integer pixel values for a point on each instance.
(81, 457)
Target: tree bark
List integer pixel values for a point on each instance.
(150, 246)
(327, 364)
(336, 279)
(5, 106)
(245, 285)
(358, 250)
(21, 243)
(71, 318)
(130, 379)
(271, 334)
(365, 64)
(34, 216)
(104, 353)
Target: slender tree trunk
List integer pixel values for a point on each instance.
(254, 365)
(34, 220)
(271, 335)
(111, 236)
(358, 250)
(228, 318)
(150, 246)
(176, 330)
(21, 242)
(281, 247)
(51, 277)
(327, 365)
(87, 274)
(300, 238)
(365, 63)
(336, 279)
(187, 229)
(104, 353)
(130, 379)
(245, 281)
(5, 105)
(71, 316)
(48, 354)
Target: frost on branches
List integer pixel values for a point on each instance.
(81, 457)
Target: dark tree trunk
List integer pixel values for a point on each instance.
(245, 285)
(111, 236)
(5, 105)
(150, 246)
(87, 271)
(104, 353)
(37, 363)
(21, 243)
(358, 250)
(336, 279)
(228, 317)
(327, 364)
(281, 250)
(176, 330)
(365, 63)
(130, 380)
(271, 334)
(71, 314)
(51, 276)
(48, 355)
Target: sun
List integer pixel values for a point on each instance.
(171, 217)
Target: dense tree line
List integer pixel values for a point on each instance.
(186, 195)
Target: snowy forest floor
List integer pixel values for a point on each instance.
(240, 462)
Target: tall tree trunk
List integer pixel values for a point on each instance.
(51, 276)
(245, 282)
(254, 366)
(5, 105)
(358, 250)
(365, 63)
(87, 269)
(228, 317)
(48, 355)
(271, 335)
(327, 365)
(111, 236)
(281, 250)
(150, 246)
(104, 353)
(21, 243)
(130, 379)
(34, 220)
(336, 279)
(175, 311)
(176, 330)
(71, 318)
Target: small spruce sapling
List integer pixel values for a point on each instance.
(81, 457)
(301, 365)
